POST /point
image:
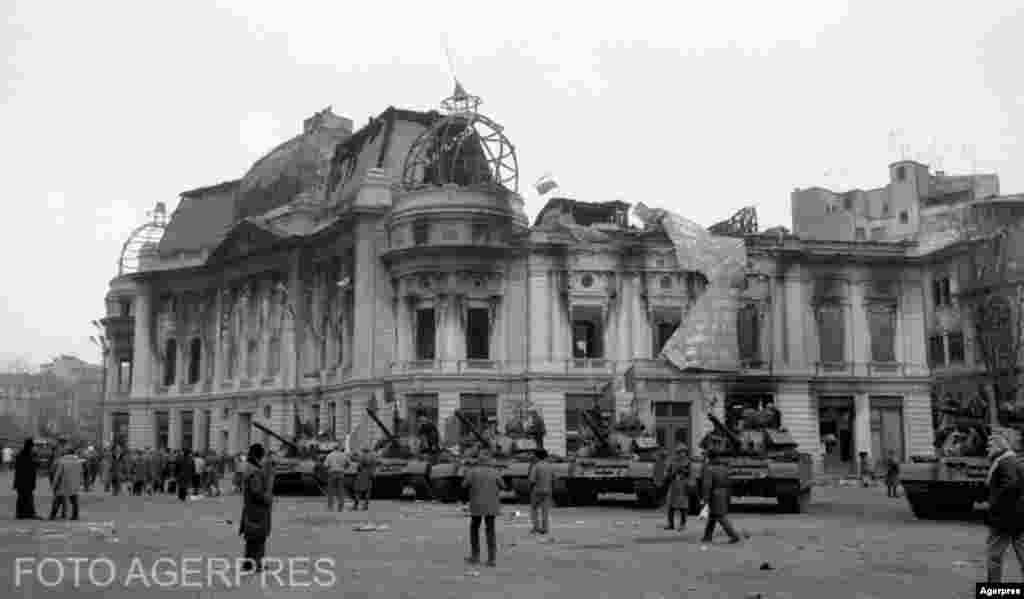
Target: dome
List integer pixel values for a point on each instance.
(464, 148)
(298, 165)
(144, 238)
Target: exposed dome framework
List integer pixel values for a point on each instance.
(463, 147)
(144, 238)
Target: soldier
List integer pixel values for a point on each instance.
(363, 486)
(770, 416)
(678, 478)
(428, 434)
(717, 495)
(335, 465)
(535, 428)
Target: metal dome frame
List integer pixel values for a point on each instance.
(440, 148)
(143, 235)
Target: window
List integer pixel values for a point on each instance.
(425, 334)
(163, 430)
(860, 234)
(478, 409)
(478, 334)
(941, 293)
(124, 376)
(936, 351)
(266, 412)
(847, 203)
(662, 333)
(126, 307)
(194, 358)
(947, 297)
(832, 333)
(170, 362)
(882, 328)
(480, 232)
(956, 347)
(420, 233)
(665, 283)
(904, 218)
(316, 419)
(187, 429)
(901, 173)
(577, 403)
(748, 329)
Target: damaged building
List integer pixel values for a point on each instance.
(394, 267)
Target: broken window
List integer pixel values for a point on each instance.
(831, 333)
(882, 328)
(478, 334)
(748, 328)
(936, 351)
(194, 358)
(956, 347)
(425, 334)
(170, 361)
(420, 233)
(587, 331)
(126, 307)
(901, 173)
(163, 430)
(662, 333)
(904, 217)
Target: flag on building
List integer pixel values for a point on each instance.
(545, 184)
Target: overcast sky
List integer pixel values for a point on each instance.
(110, 107)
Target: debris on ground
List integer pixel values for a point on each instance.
(371, 527)
(767, 566)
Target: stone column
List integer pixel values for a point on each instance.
(199, 436)
(799, 411)
(796, 305)
(561, 327)
(642, 338)
(537, 294)
(217, 353)
(404, 326)
(365, 289)
(174, 428)
(858, 336)
(779, 356)
(862, 428)
(912, 331)
(142, 353)
(292, 333)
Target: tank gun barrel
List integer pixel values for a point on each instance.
(387, 432)
(601, 436)
(273, 434)
(721, 428)
(465, 421)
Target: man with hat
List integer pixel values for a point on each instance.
(1004, 511)
(485, 485)
(678, 479)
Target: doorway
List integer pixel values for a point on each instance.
(244, 431)
(672, 424)
(835, 424)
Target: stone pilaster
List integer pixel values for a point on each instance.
(174, 428)
(292, 333)
(641, 342)
(911, 331)
(858, 336)
(919, 434)
(799, 411)
(862, 427)
(537, 292)
(796, 333)
(404, 332)
(142, 358)
(561, 317)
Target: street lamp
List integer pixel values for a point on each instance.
(100, 341)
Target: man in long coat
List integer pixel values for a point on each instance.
(485, 485)
(362, 487)
(67, 481)
(184, 470)
(678, 478)
(257, 505)
(1004, 512)
(717, 493)
(25, 475)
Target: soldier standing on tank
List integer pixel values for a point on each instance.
(428, 434)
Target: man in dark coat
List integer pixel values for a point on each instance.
(678, 478)
(1004, 511)
(362, 487)
(25, 482)
(717, 494)
(257, 504)
(184, 470)
(485, 485)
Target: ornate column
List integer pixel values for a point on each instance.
(560, 319)
(537, 300)
(796, 306)
(862, 427)
(403, 324)
(142, 346)
(858, 335)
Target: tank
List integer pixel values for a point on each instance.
(302, 465)
(948, 483)
(619, 459)
(763, 460)
(400, 464)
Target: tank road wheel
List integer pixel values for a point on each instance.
(795, 504)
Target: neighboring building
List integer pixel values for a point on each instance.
(913, 203)
(398, 269)
(83, 384)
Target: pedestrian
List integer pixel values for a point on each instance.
(25, 474)
(892, 474)
(155, 465)
(483, 481)
(541, 481)
(661, 472)
(717, 495)
(198, 470)
(67, 481)
(237, 473)
(1004, 506)
(140, 472)
(362, 487)
(865, 469)
(257, 504)
(334, 464)
(213, 468)
(8, 457)
(184, 470)
(117, 466)
(105, 461)
(678, 477)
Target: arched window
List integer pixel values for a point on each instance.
(170, 362)
(194, 360)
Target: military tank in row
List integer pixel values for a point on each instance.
(402, 462)
(302, 465)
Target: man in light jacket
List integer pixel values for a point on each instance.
(541, 479)
(1004, 506)
(485, 485)
(335, 463)
(67, 481)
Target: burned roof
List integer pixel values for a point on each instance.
(201, 220)
(585, 213)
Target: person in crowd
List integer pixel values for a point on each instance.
(198, 470)
(865, 469)
(67, 481)
(717, 494)
(155, 464)
(25, 474)
(105, 460)
(334, 464)
(238, 472)
(184, 470)
(541, 480)
(171, 471)
(213, 469)
(117, 466)
(661, 463)
(892, 474)
(8, 457)
(485, 485)
(257, 505)
(1005, 515)
(140, 473)
(678, 478)
(362, 488)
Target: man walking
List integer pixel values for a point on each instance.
(485, 485)
(184, 470)
(541, 481)
(1004, 511)
(67, 481)
(717, 495)
(257, 503)
(678, 478)
(363, 485)
(334, 463)
(892, 474)
(25, 482)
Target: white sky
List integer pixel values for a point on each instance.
(702, 108)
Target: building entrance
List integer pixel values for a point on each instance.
(672, 424)
(835, 423)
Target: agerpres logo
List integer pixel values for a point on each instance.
(166, 572)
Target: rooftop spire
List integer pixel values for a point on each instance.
(461, 101)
